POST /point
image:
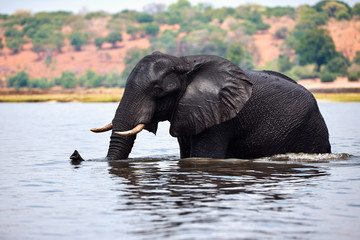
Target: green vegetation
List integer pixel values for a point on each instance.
(78, 39)
(20, 79)
(200, 31)
(68, 80)
(1, 44)
(67, 97)
(316, 46)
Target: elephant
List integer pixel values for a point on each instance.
(216, 109)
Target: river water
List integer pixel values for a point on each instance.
(156, 195)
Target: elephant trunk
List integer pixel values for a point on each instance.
(130, 118)
(120, 146)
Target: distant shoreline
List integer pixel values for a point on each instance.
(103, 96)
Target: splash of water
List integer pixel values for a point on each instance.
(305, 157)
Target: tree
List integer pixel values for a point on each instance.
(152, 29)
(239, 55)
(337, 65)
(114, 37)
(180, 5)
(332, 8)
(133, 56)
(78, 39)
(14, 44)
(1, 44)
(165, 43)
(99, 42)
(113, 79)
(357, 57)
(310, 14)
(316, 46)
(67, 80)
(284, 63)
(281, 33)
(144, 18)
(20, 79)
(58, 40)
(42, 83)
(91, 79)
(132, 30)
(356, 9)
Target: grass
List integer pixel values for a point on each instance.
(115, 97)
(338, 97)
(61, 98)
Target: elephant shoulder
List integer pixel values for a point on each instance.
(280, 75)
(268, 74)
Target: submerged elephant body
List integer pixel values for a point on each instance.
(217, 110)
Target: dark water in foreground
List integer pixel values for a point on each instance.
(43, 196)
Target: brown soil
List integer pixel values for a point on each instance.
(267, 44)
(346, 36)
(102, 61)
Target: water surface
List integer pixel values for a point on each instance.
(156, 195)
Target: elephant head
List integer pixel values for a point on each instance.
(192, 92)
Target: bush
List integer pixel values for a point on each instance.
(284, 63)
(91, 79)
(98, 14)
(354, 72)
(152, 29)
(303, 72)
(99, 42)
(356, 9)
(310, 14)
(132, 30)
(42, 83)
(326, 76)
(165, 43)
(114, 37)
(240, 56)
(357, 57)
(281, 33)
(353, 77)
(342, 15)
(20, 79)
(14, 44)
(113, 79)
(77, 39)
(280, 11)
(13, 33)
(144, 18)
(67, 80)
(316, 46)
(337, 65)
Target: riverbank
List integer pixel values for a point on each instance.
(57, 94)
(116, 97)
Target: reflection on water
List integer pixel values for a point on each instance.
(202, 178)
(159, 196)
(199, 194)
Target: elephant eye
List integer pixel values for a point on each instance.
(157, 90)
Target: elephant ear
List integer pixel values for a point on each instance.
(212, 97)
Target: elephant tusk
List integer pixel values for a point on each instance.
(102, 129)
(133, 131)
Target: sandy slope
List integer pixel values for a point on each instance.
(264, 45)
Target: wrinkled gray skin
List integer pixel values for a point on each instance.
(218, 110)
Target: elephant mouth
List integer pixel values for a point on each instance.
(109, 126)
